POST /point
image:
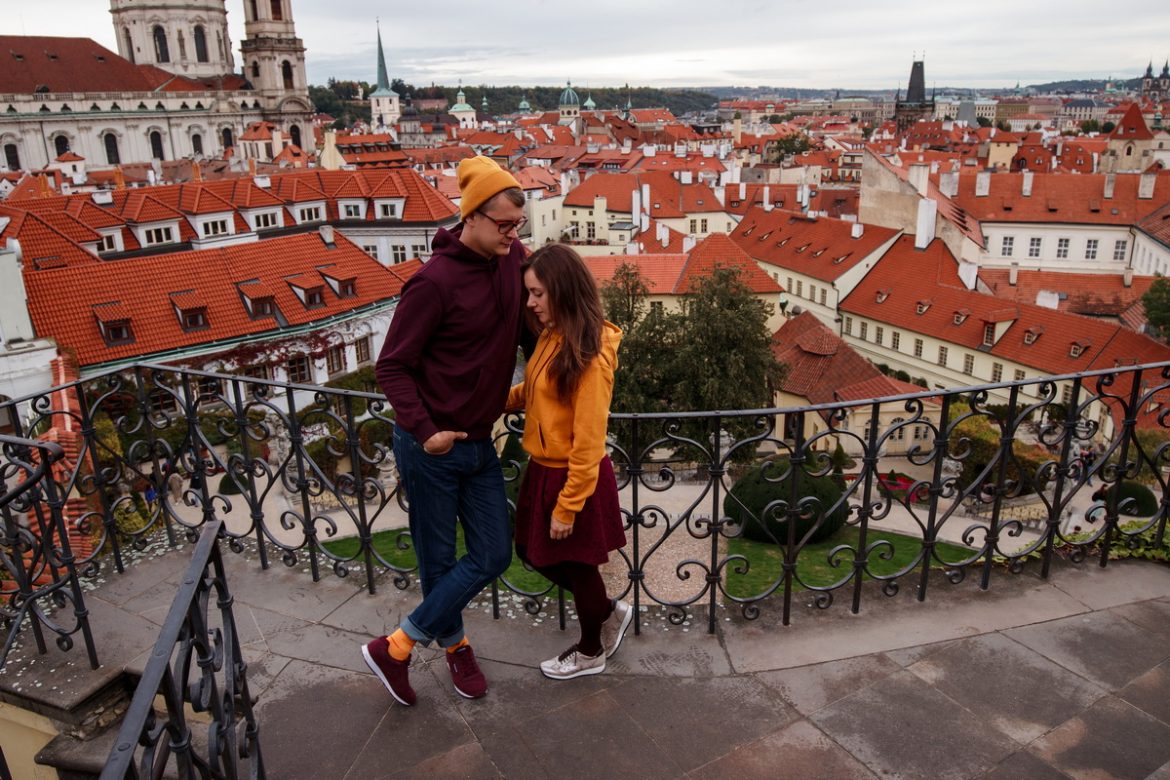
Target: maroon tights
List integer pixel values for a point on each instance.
(584, 581)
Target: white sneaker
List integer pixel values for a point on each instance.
(614, 627)
(572, 663)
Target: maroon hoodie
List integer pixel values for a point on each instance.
(450, 352)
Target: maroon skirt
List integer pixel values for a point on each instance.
(597, 530)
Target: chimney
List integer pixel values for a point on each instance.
(644, 223)
(857, 230)
(743, 191)
(982, 184)
(1014, 274)
(948, 183)
(720, 194)
(635, 204)
(767, 198)
(689, 244)
(1110, 183)
(680, 150)
(919, 177)
(685, 177)
(1127, 277)
(645, 198)
(924, 229)
(736, 130)
(934, 166)
(1146, 185)
(1026, 186)
(326, 232)
(649, 150)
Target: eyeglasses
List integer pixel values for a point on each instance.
(506, 226)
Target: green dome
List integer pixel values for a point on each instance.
(524, 105)
(461, 103)
(569, 97)
(589, 104)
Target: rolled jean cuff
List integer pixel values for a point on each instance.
(413, 631)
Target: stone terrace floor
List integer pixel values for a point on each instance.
(1065, 678)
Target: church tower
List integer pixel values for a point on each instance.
(384, 106)
(185, 37)
(274, 63)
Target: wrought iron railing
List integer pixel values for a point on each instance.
(193, 652)
(38, 575)
(157, 452)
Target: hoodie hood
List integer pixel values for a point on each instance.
(611, 339)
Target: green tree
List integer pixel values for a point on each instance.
(983, 121)
(1108, 127)
(624, 297)
(1157, 304)
(1090, 126)
(789, 144)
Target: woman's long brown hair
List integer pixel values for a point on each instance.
(575, 306)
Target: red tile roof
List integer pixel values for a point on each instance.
(676, 274)
(76, 65)
(822, 248)
(142, 290)
(1061, 198)
(1089, 294)
(1132, 126)
(668, 198)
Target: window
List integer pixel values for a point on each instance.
(200, 44)
(812, 292)
(255, 69)
(299, 370)
(314, 298)
(346, 288)
(1091, 249)
(194, 319)
(922, 307)
(215, 227)
(917, 348)
(161, 53)
(12, 157)
(997, 372)
(362, 347)
(968, 364)
(590, 230)
(118, 332)
(209, 389)
(352, 211)
(656, 307)
(388, 210)
(265, 219)
(160, 235)
(988, 334)
(61, 145)
(335, 359)
(848, 326)
(277, 13)
(286, 74)
(156, 145)
(942, 356)
(182, 46)
(398, 253)
(896, 340)
(228, 140)
(702, 226)
(1007, 246)
(1062, 248)
(1119, 247)
(310, 214)
(1018, 376)
(877, 335)
(789, 286)
(1034, 247)
(371, 250)
(694, 226)
(263, 307)
(800, 288)
(162, 402)
(111, 143)
(1075, 350)
(418, 250)
(197, 144)
(257, 372)
(1030, 335)
(823, 297)
(863, 330)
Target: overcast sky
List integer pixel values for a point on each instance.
(844, 44)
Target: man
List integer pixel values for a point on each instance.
(446, 368)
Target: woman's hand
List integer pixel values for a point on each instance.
(559, 530)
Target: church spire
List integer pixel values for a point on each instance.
(383, 79)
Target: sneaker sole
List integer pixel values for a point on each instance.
(621, 634)
(467, 695)
(374, 668)
(580, 673)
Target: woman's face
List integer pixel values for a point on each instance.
(538, 299)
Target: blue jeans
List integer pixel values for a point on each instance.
(465, 484)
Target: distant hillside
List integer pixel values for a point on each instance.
(1084, 85)
(504, 100)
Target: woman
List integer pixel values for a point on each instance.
(567, 515)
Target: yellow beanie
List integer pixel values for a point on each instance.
(480, 178)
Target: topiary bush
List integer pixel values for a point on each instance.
(228, 486)
(1145, 503)
(745, 503)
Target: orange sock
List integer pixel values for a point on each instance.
(400, 645)
(462, 643)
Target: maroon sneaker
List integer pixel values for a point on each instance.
(469, 680)
(392, 673)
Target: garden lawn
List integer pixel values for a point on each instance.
(386, 543)
(812, 564)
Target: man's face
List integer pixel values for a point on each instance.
(481, 229)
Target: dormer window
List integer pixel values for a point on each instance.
(988, 334)
(882, 295)
(342, 288)
(1033, 333)
(922, 306)
(961, 316)
(263, 307)
(314, 297)
(802, 247)
(117, 332)
(195, 319)
(1077, 348)
(842, 258)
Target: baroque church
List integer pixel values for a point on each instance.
(170, 92)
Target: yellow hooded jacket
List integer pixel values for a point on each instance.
(571, 435)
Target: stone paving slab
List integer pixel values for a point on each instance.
(796, 751)
(1111, 739)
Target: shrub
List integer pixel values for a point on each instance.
(228, 486)
(1144, 502)
(745, 503)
